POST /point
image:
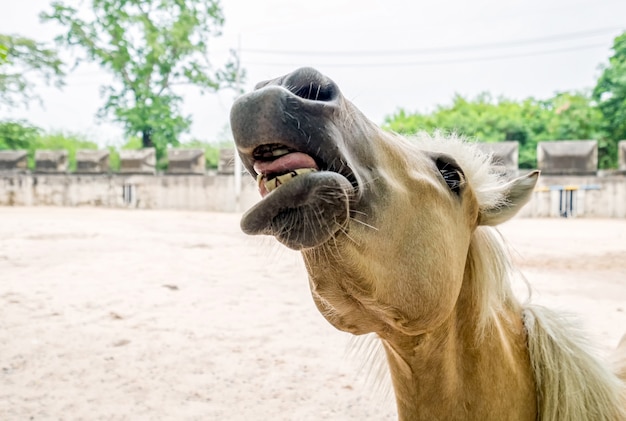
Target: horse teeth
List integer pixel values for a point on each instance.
(275, 153)
(275, 182)
(280, 152)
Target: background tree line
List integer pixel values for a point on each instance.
(21, 135)
(150, 47)
(598, 114)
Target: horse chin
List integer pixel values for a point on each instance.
(304, 213)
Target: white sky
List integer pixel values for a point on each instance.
(336, 36)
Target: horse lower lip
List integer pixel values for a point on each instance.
(304, 198)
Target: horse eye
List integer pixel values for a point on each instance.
(452, 175)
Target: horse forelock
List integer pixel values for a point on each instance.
(477, 166)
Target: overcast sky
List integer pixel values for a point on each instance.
(384, 55)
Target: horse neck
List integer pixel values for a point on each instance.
(454, 372)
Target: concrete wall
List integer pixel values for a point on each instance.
(592, 196)
(568, 157)
(190, 192)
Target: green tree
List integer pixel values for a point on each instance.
(150, 47)
(18, 135)
(4, 50)
(610, 94)
(571, 115)
(483, 119)
(22, 135)
(565, 116)
(20, 57)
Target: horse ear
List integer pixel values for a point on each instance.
(515, 194)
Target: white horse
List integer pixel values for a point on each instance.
(397, 239)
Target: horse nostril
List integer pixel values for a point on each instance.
(315, 91)
(310, 84)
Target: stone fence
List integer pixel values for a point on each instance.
(570, 184)
(186, 184)
(135, 161)
(593, 196)
(214, 193)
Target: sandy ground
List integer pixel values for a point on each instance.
(152, 315)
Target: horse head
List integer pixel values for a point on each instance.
(384, 224)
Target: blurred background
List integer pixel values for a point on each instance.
(516, 70)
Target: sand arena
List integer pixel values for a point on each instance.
(132, 315)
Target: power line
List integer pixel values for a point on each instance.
(442, 50)
(447, 61)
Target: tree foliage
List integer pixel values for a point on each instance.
(565, 116)
(20, 57)
(150, 47)
(4, 51)
(18, 135)
(610, 94)
(599, 115)
(21, 135)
